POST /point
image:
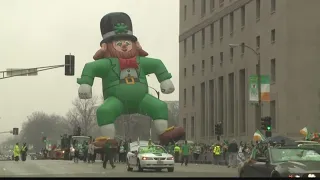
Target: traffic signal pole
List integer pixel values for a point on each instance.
(38, 69)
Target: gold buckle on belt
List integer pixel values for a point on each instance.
(129, 80)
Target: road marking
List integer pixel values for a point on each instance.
(4, 169)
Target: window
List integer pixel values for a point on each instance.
(243, 16)
(231, 22)
(231, 54)
(242, 48)
(193, 69)
(185, 12)
(193, 43)
(193, 95)
(258, 8)
(221, 2)
(273, 35)
(203, 63)
(221, 28)
(185, 47)
(193, 7)
(203, 7)
(212, 63)
(257, 42)
(221, 58)
(203, 37)
(273, 6)
(185, 97)
(273, 70)
(185, 72)
(273, 114)
(185, 123)
(212, 5)
(212, 33)
(192, 127)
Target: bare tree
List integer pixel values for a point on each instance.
(40, 124)
(83, 115)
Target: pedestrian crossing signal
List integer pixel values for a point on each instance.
(15, 131)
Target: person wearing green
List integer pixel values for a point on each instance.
(16, 152)
(176, 153)
(85, 151)
(185, 153)
(109, 155)
(170, 148)
(123, 67)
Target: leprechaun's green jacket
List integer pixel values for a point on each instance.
(108, 69)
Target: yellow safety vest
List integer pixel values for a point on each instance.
(176, 149)
(216, 150)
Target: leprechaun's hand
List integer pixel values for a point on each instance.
(85, 91)
(166, 86)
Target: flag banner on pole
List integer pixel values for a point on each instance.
(258, 136)
(265, 88)
(253, 88)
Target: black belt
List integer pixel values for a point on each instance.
(130, 80)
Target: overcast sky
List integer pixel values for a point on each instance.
(36, 33)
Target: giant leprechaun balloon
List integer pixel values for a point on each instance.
(122, 65)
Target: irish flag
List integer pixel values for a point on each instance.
(265, 88)
(304, 131)
(258, 136)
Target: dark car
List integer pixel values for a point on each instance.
(284, 161)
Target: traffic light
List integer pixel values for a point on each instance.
(79, 131)
(69, 65)
(218, 129)
(15, 131)
(266, 123)
(44, 139)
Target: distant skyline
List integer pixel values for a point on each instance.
(38, 33)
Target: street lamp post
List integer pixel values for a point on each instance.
(258, 75)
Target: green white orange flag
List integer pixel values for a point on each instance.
(258, 136)
(265, 88)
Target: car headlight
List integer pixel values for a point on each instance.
(294, 176)
(72, 149)
(170, 158)
(311, 176)
(147, 158)
(62, 151)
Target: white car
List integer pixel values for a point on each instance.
(141, 156)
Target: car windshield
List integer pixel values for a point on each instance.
(281, 155)
(151, 149)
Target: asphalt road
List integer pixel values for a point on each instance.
(57, 168)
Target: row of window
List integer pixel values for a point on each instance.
(203, 65)
(221, 4)
(231, 28)
(203, 7)
(193, 67)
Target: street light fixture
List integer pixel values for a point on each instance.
(258, 75)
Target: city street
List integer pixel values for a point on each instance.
(59, 168)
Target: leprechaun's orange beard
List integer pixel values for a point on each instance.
(112, 52)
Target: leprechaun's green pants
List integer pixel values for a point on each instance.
(113, 107)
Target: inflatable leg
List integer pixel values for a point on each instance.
(107, 113)
(157, 110)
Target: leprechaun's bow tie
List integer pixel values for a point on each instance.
(128, 63)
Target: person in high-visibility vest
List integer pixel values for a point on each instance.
(176, 153)
(16, 152)
(216, 153)
(24, 150)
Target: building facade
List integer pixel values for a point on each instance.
(214, 76)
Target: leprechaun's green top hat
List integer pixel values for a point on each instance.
(116, 26)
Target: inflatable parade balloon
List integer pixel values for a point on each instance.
(123, 65)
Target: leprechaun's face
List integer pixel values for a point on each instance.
(122, 45)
